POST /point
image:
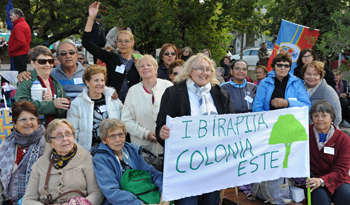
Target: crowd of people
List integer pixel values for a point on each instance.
(94, 124)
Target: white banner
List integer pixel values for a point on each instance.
(208, 153)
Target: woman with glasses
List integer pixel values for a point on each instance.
(186, 53)
(174, 69)
(53, 104)
(280, 89)
(260, 74)
(196, 92)
(121, 70)
(308, 55)
(92, 106)
(114, 156)
(65, 172)
(342, 88)
(242, 93)
(142, 105)
(167, 55)
(19, 152)
(318, 89)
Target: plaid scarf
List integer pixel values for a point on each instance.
(61, 161)
(339, 88)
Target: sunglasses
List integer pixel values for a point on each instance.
(44, 61)
(166, 54)
(283, 65)
(64, 53)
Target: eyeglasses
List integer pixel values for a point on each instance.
(60, 137)
(282, 65)
(44, 61)
(240, 69)
(64, 53)
(25, 120)
(306, 57)
(80, 58)
(114, 136)
(121, 41)
(186, 51)
(203, 69)
(258, 72)
(176, 73)
(172, 53)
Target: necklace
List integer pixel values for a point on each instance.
(125, 61)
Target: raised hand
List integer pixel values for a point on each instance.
(93, 9)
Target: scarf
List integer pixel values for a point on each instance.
(15, 183)
(329, 135)
(52, 92)
(339, 87)
(61, 161)
(207, 106)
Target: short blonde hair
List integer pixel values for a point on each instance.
(192, 62)
(53, 125)
(127, 33)
(149, 58)
(336, 71)
(93, 70)
(318, 65)
(108, 125)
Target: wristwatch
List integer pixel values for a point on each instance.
(322, 182)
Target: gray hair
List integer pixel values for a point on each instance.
(324, 107)
(64, 42)
(108, 125)
(53, 125)
(17, 11)
(221, 70)
(190, 53)
(81, 53)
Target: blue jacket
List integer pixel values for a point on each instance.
(108, 174)
(295, 93)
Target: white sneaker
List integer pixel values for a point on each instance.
(345, 124)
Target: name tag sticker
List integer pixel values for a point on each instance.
(103, 108)
(248, 99)
(120, 69)
(293, 99)
(54, 96)
(329, 150)
(78, 81)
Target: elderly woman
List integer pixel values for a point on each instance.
(19, 152)
(318, 89)
(308, 55)
(167, 55)
(142, 106)
(121, 70)
(242, 93)
(54, 104)
(280, 89)
(329, 158)
(342, 88)
(186, 53)
(220, 72)
(196, 83)
(92, 106)
(67, 167)
(114, 156)
(206, 52)
(174, 69)
(260, 74)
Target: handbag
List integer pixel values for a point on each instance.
(49, 199)
(140, 183)
(155, 161)
(276, 191)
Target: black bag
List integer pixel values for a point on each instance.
(155, 161)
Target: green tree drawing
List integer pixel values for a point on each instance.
(287, 130)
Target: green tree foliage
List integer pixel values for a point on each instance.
(314, 14)
(287, 130)
(52, 20)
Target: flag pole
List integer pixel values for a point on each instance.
(308, 195)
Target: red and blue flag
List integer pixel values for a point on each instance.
(292, 38)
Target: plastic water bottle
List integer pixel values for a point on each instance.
(37, 91)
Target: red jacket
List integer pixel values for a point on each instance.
(333, 169)
(20, 38)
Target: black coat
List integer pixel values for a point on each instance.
(329, 77)
(112, 60)
(176, 103)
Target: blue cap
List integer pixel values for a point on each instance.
(99, 16)
(36, 82)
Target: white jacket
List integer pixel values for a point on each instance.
(80, 114)
(139, 115)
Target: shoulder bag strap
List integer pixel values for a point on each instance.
(49, 199)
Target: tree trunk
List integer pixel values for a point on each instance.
(285, 161)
